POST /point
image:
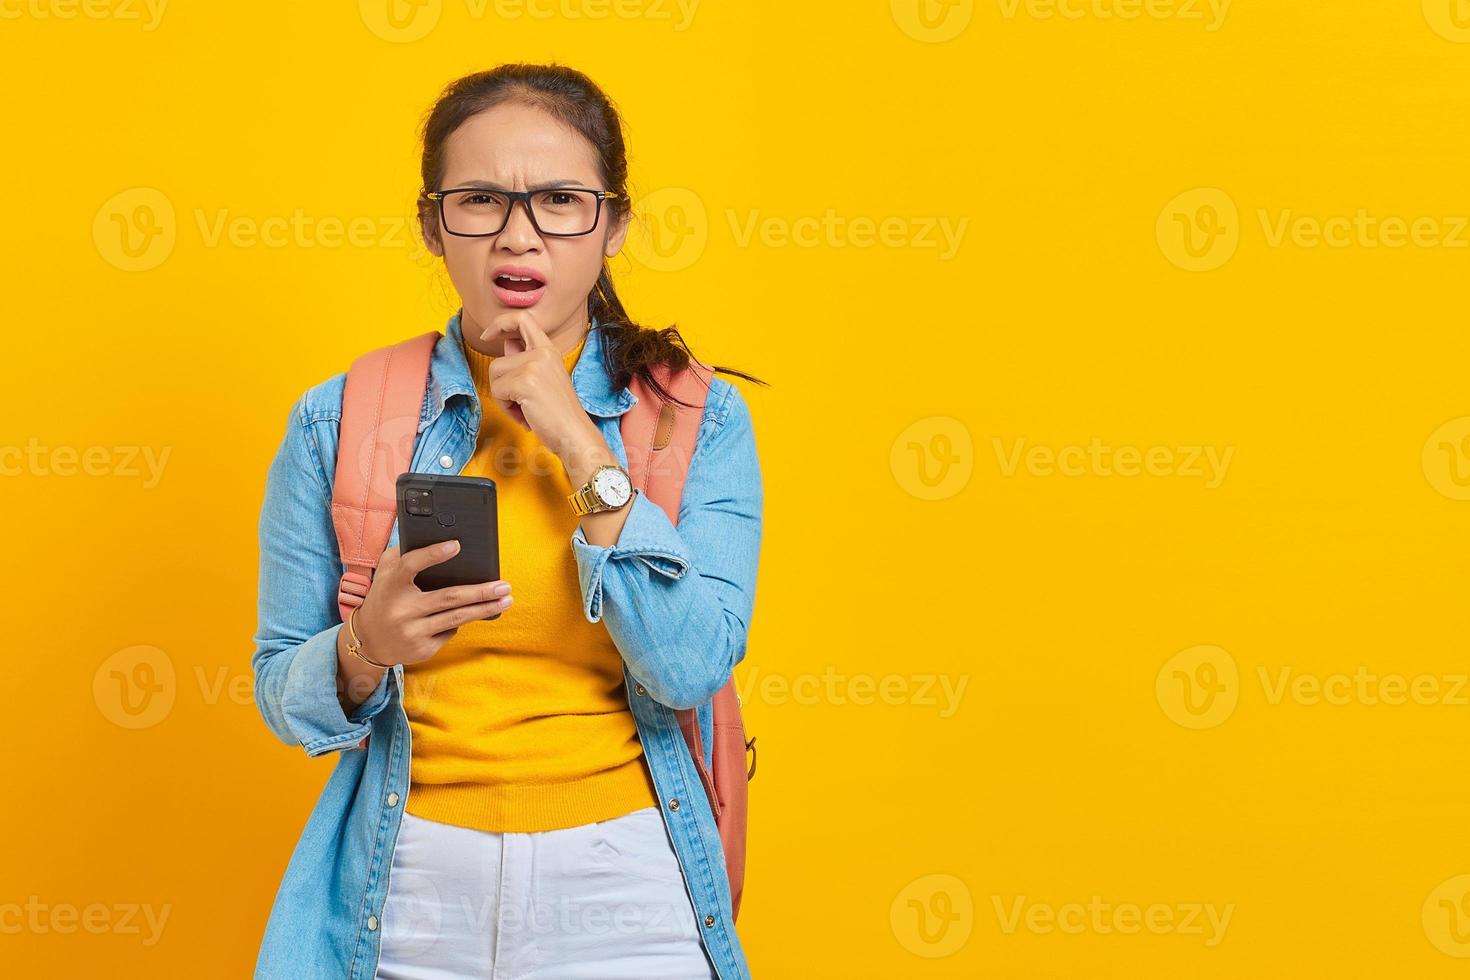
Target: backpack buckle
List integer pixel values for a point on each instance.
(353, 588)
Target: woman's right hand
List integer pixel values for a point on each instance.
(399, 623)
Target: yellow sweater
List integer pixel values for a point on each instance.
(522, 723)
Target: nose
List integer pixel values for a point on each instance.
(519, 234)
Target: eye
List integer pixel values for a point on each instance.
(480, 199)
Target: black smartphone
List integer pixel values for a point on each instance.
(434, 508)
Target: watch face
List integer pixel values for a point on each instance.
(612, 487)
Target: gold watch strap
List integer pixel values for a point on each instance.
(581, 500)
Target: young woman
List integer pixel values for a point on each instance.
(512, 795)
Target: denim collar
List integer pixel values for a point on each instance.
(449, 377)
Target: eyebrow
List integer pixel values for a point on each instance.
(543, 186)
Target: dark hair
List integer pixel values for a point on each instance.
(572, 98)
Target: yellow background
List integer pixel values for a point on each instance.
(893, 831)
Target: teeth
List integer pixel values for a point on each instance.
(518, 278)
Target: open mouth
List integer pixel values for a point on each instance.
(519, 284)
(518, 287)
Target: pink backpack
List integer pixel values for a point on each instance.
(381, 405)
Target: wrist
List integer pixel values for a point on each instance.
(354, 645)
(356, 680)
(584, 455)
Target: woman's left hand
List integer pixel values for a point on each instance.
(531, 384)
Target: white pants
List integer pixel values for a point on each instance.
(602, 901)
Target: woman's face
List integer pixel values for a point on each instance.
(517, 147)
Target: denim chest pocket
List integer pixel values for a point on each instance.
(638, 844)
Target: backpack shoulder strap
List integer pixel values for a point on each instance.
(659, 436)
(381, 405)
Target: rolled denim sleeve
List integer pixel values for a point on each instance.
(295, 658)
(678, 600)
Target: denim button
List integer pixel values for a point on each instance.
(709, 920)
(674, 804)
(372, 923)
(392, 799)
(641, 689)
(446, 461)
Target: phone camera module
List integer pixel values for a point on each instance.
(420, 503)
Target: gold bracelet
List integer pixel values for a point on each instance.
(354, 644)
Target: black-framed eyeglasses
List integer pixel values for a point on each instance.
(561, 212)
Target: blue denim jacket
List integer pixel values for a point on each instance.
(677, 603)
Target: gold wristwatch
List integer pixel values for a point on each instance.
(607, 489)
